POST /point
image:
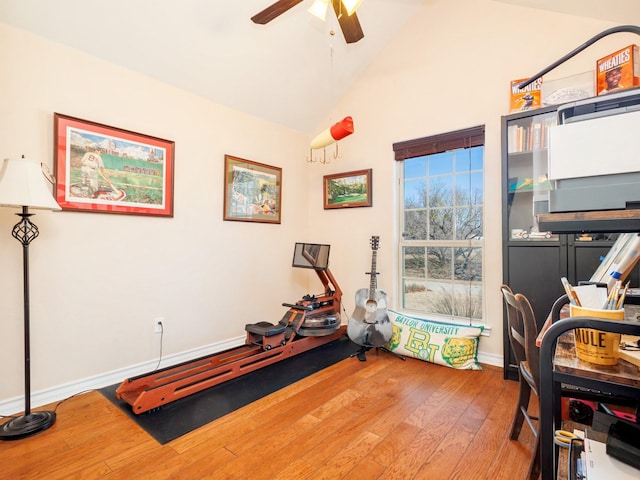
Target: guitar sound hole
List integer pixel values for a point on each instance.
(371, 305)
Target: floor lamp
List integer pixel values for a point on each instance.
(23, 184)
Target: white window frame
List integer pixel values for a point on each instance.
(451, 141)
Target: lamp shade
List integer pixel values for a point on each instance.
(319, 9)
(351, 5)
(23, 184)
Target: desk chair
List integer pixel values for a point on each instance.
(523, 331)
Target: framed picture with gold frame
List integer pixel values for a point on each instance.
(348, 189)
(252, 191)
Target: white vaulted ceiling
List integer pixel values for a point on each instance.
(290, 71)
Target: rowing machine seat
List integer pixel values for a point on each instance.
(265, 329)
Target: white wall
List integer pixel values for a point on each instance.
(97, 281)
(449, 69)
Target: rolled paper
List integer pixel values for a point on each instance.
(626, 261)
(334, 133)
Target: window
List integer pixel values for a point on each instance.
(441, 223)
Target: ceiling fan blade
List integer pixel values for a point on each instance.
(273, 11)
(349, 24)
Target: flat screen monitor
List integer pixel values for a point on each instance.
(311, 255)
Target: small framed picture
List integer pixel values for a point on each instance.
(252, 191)
(349, 189)
(106, 169)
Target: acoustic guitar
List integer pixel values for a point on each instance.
(369, 325)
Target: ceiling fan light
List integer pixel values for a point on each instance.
(351, 5)
(319, 9)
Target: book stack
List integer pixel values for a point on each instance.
(619, 261)
(618, 71)
(530, 137)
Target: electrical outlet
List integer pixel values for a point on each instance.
(158, 324)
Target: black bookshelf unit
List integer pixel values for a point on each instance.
(536, 255)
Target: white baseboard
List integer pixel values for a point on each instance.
(491, 359)
(16, 405)
(56, 394)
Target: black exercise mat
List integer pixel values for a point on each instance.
(182, 416)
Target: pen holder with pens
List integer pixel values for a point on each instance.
(596, 346)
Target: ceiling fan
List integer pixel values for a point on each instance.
(349, 24)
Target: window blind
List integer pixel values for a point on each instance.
(466, 138)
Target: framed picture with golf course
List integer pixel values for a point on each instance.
(105, 169)
(348, 189)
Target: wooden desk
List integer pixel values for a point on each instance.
(566, 361)
(564, 313)
(559, 364)
(596, 221)
(561, 310)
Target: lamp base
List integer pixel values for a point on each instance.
(27, 425)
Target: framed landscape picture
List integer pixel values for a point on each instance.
(252, 191)
(349, 189)
(106, 169)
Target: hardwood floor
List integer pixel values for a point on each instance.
(379, 419)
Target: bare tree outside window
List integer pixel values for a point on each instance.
(442, 233)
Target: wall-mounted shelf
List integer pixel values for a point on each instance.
(621, 221)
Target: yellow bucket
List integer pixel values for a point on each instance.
(596, 346)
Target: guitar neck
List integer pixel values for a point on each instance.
(373, 282)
